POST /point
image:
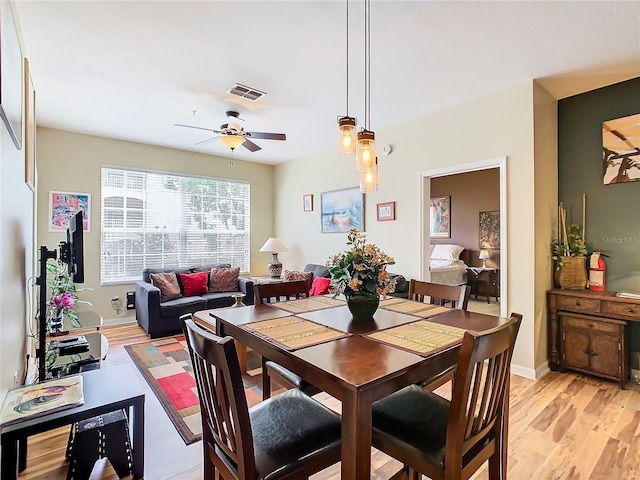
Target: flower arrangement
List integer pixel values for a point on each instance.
(571, 245)
(361, 270)
(64, 298)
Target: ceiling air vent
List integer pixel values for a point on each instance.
(246, 92)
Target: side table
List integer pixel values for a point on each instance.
(484, 282)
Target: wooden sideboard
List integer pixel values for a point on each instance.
(589, 333)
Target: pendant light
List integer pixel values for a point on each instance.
(369, 178)
(347, 124)
(366, 145)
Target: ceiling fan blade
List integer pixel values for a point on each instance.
(199, 128)
(249, 145)
(206, 141)
(267, 136)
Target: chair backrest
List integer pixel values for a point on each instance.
(440, 294)
(480, 389)
(279, 292)
(226, 426)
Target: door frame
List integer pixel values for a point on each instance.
(425, 195)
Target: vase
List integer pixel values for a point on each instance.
(362, 306)
(573, 273)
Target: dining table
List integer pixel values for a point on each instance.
(357, 361)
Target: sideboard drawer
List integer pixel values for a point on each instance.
(569, 321)
(625, 309)
(577, 304)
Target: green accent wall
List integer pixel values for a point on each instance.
(613, 211)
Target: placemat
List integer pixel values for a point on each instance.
(402, 305)
(422, 336)
(307, 304)
(292, 333)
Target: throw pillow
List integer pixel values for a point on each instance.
(446, 252)
(224, 279)
(167, 282)
(320, 286)
(194, 283)
(293, 275)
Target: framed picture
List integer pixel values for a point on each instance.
(440, 217)
(307, 202)
(386, 211)
(30, 129)
(11, 84)
(621, 150)
(489, 230)
(63, 205)
(342, 210)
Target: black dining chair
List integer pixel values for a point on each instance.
(289, 436)
(452, 439)
(273, 293)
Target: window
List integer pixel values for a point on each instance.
(162, 220)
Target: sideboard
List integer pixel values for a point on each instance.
(589, 333)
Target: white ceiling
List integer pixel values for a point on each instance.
(131, 70)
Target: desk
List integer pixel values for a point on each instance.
(105, 390)
(356, 370)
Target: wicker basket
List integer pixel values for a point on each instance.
(573, 273)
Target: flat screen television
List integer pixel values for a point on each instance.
(72, 253)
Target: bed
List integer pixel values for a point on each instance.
(448, 264)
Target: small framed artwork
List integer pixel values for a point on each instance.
(63, 205)
(342, 210)
(307, 202)
(489, 229)
(386, 211)
(440, 217)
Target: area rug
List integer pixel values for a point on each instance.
(166, 365)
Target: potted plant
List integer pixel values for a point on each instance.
(569, 254)
(360, 274)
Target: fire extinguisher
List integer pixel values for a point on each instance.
(597, 267)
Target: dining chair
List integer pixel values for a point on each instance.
(289, 436)
(456, 296)
(273, 293)
(452, 439)
(439, 294)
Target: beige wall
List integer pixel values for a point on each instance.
(72, 162)
(486, 128)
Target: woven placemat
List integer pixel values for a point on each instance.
(402, 305)
(292, 333)
(422, 336)
(307, 304)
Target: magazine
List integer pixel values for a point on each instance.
(41, 398)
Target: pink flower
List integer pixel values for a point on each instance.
(62, 301)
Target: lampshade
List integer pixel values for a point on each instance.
(346, 136)
(484, 256)
(365, 150)
(231, 141)
(369, 179)
(274, 245)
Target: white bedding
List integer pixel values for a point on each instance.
(448, 272)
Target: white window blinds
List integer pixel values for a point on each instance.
(163, 220)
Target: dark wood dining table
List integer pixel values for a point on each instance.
(354, 369)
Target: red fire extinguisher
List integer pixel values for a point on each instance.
(597, 267)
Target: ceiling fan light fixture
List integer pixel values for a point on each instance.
(365, 150)
(231, 141)
(346, 136)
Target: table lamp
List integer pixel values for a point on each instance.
(484, 256)
(274, 245)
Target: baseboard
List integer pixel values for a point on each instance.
(118, 321)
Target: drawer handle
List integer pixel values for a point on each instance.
(630, 310)
(577, 303)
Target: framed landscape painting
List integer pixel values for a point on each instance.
(342, 210)
(440, 217)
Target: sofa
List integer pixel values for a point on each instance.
(401, 290)
(158, 308)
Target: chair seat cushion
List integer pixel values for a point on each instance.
(414, 419)
(290, 430)
(294, 380)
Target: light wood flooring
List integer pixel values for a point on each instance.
(564, 426)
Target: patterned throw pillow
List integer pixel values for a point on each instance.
(194, 283)
(293, 275)
(224, 279)
(167, 282)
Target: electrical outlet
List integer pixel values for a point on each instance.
(116, 303)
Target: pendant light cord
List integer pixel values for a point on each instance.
(367, 63)
(347, 58)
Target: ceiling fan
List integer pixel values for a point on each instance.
(233, 135)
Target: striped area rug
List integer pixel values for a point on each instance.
(165, 364)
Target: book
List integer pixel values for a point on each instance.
(628, 295)
(41, 398)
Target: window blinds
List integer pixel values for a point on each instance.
(163, 220)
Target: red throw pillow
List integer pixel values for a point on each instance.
(320, 286)
(194, 283)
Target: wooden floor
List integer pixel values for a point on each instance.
(564, 426)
